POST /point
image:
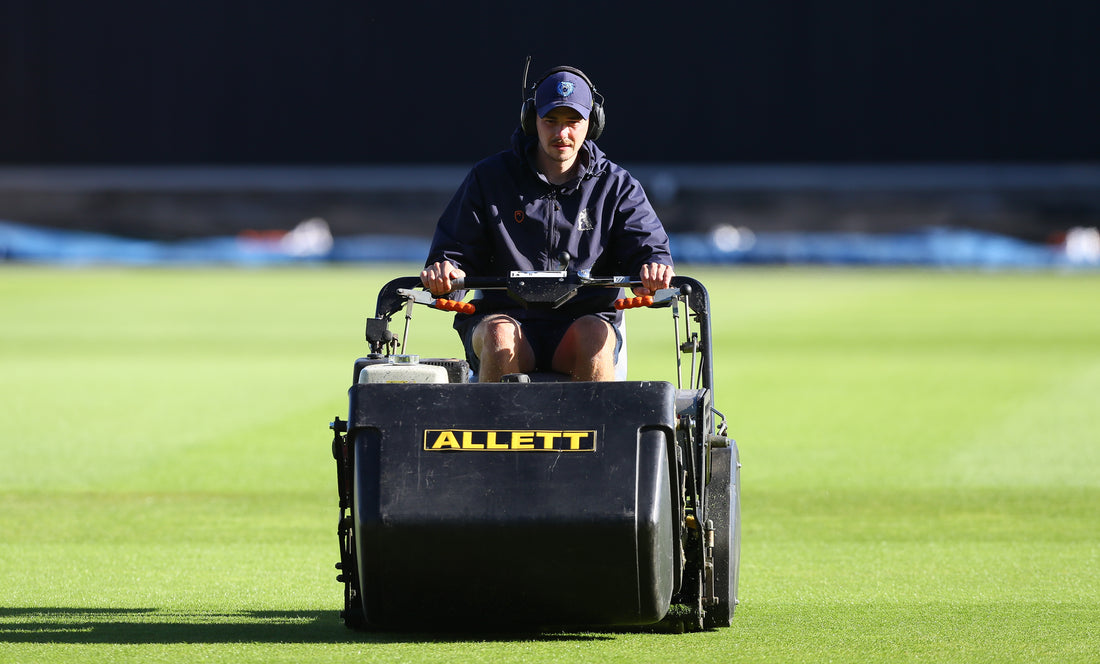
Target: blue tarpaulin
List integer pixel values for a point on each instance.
(937, 247)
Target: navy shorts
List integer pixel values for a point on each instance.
(542, 334)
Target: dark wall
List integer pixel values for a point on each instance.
(326, 81)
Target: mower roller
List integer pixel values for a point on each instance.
(536, 502)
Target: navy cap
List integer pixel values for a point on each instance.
(563, 89)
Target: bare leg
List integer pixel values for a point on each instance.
(501, 348)
(587, 351)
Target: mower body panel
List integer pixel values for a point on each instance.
(533, 504)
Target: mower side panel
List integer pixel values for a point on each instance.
(536, 504)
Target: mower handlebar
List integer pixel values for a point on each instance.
(478, 283)
(518, 280)
(541, 288)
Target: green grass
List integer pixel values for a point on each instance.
(921, 467)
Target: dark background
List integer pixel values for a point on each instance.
(758, 83)
(223, 81)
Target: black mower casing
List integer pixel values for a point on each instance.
(536, 504)
(539, 504)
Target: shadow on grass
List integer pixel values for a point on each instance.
(147, 625)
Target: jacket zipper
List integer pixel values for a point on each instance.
(555, 208)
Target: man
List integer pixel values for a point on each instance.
(553, 192)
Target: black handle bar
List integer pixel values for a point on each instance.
(553, 288)
(539, 288)
(479, 283)
(575, 281)
(698, 300)
(543, 288)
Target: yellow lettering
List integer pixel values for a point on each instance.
(517, 441)
(468, 443)
(521, 440)
(446, 440)
(491, 441)
(574, 438)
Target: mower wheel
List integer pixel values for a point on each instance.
(724, 510)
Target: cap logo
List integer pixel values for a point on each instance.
(565, 88)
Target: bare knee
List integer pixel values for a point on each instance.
(587, 351)
(501, 348)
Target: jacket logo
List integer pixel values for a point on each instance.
(584, 221)
(518, 214)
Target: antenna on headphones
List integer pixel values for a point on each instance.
(523, 91)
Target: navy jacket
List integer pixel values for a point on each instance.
(506, 216)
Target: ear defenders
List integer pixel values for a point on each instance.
(528, 114)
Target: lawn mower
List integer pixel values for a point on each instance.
(537, 502)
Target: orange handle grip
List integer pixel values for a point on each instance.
(633, 302)
(455, 305)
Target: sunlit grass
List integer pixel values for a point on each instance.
(921, 467)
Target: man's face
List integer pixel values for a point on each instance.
(561, 134)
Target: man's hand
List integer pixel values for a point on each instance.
(654, 277)
(437, 277)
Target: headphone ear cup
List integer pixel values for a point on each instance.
(595, 121)
(527, 117)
